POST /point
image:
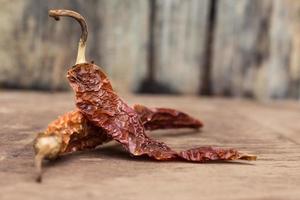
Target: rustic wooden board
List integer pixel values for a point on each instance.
(269, 130)
(179, 33)
(241, 47)
(123, 39)
(256, 49)
(37, 51)
(283, 68)
(161, 43)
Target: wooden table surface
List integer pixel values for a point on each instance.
(270, 130)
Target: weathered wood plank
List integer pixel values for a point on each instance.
(241, 47)
(283, 68)
(179, 32)
(37, 51)
(98, 175)
(123, 40)
(256, 49)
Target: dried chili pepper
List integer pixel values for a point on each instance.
(73, 132)
(102, 108)
(165, 118)
(98, 102)
(50, 145)
(70, 132)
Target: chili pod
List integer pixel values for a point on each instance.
(165, 118)
(99, 103)
(105, 110)
(73, 132)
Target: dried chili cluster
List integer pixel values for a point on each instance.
(102, 116)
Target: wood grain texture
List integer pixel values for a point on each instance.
(41, 50)
(123, 40)
(241, 47)
(179, 32)
(283, 67)
(256, 49)
(38, 51)
(269, 130)
(158, 44)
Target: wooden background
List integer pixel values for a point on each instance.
(246, 48)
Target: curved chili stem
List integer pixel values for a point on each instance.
(84, 34)
(38, 163)
(45, 146)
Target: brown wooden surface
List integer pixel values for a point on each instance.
(270, 130)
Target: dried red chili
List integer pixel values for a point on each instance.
(73, 132)
(102, 106)
(165, 118)
(79, 134)
(104, 109)
(70, 132)
(98, 102)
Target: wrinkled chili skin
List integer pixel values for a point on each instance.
(98, 102)
(165, 118)
(209, 153)
(103, 107)
(77, 132)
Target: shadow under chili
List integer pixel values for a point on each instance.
(115, 151)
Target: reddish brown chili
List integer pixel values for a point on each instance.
(103, 116)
